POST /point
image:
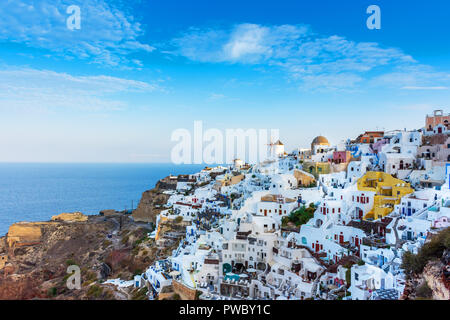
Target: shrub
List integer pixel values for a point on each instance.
(361, 262)
(176, 296)
(52, 292)
(70, 262)
(424, 291)
(178, 219)
(348, 276)
(302, 215)
(95, 291)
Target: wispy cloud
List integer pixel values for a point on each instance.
(423, 88)
(413, 77)
(32, 89)
(106, 37)
(316, 61)
(216, 96)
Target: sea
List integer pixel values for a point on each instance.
(37, 191)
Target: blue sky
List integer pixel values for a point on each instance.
(114, 90)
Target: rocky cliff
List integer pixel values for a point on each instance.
(151, 203)
(36, 262)
(434, 277)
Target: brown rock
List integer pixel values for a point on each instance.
(70, 217)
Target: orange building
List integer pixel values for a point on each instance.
(370, 136)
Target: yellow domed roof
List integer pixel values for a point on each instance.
(320, 140)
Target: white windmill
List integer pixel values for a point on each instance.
(271, 149)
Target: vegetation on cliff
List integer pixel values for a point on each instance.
(413, 264)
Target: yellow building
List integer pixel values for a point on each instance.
(316, 168)
(304, 179)
(228, 180)
(388, 192)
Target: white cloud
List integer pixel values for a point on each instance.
(341, 81)
(316, 61)
(423, 88)
(414, 77)
(244, 43)
(107, 34)
(31, 89)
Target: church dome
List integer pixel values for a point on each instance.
(320, 140)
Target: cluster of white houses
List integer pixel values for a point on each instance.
(371, 200)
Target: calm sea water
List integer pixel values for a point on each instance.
(35, 192)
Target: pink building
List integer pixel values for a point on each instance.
(442, 222)
(341, 157)
(437, 118)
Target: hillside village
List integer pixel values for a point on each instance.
(329, 222)
(364, 219)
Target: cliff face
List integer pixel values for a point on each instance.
(70, 217)
(37, 268)
(151, 201)
(24, 233)
(433, 275)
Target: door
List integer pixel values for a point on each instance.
(265, 212)
(382, 284)
(341, 238)
(409, 235)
